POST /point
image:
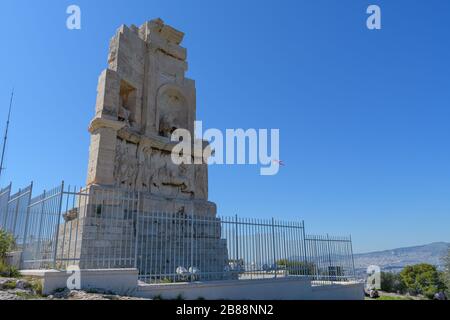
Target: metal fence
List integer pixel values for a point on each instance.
(330, 257)
(98, 228)
(13, 211)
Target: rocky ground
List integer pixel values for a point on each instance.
(30, 289)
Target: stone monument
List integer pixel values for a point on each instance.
(143, 97)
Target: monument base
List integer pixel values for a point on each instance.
(116, 228)
(125, 282)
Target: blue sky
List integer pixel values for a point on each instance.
(363, 115)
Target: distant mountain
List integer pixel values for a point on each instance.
(397, 259)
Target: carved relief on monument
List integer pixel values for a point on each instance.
(169, 179)
(144, 173)
(151, 170)
(125, 164)
(172, 111)
(127, 104)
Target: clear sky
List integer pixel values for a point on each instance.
(363, 115)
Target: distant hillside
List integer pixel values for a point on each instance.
(395, 260)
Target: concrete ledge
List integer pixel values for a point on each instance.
(264, 289)
(125, 282)
(119, 281)
(344, 291)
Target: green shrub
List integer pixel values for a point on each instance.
(392, 282)
(446, 273)
(295, 267)
(8, 271)
(422, 279)
(27, 296)
(36, 286)
(166, 281)
(10, 285)
(387, 298)
(7, 244)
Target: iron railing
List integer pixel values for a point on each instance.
(98, 228)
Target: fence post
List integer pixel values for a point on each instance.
(273, 246)
(237, 240)
(192, 240)
(137, 231)
(330, 268)
(353, 258)
(41, 217)
(3, 224)
(55, 253)
(25, 234)
(305, 254)
(16, 213)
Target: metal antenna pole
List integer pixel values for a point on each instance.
(6, 134)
